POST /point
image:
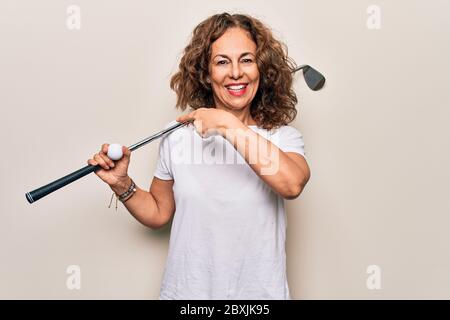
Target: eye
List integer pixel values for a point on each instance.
(247, 60)
(222, 62)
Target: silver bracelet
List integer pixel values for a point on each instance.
(123, 197)
(131, 190)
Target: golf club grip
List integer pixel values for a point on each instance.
(35, 195)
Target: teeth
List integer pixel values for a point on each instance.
(236, 87)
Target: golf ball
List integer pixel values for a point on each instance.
(115, 151)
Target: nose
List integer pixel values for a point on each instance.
(236, 71)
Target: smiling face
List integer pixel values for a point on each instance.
(233, 72)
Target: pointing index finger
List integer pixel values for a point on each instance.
(185, 118)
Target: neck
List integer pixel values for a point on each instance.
(243, 114)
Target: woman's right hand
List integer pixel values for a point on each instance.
(111, 172)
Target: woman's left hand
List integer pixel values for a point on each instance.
(211, 121)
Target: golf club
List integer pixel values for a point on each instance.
(314, 79)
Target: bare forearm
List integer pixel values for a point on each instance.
(142, 205)
(270, 163)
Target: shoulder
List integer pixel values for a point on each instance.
(176, 132)
(289, 131)
(178, 137)
(170, 124)
(281, 133)
(280, 130)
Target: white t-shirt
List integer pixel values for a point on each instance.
(229, 229)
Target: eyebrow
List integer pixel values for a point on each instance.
(225, 56)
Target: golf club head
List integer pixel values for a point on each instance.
(313, 78)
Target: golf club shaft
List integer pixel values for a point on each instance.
(314, 80)
(37, 194)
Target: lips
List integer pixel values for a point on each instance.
(237, 89)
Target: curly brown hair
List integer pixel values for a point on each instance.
(275, 100)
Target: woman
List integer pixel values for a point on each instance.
(228, 234)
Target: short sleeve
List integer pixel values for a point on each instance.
(163, 169)
(291, 140)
